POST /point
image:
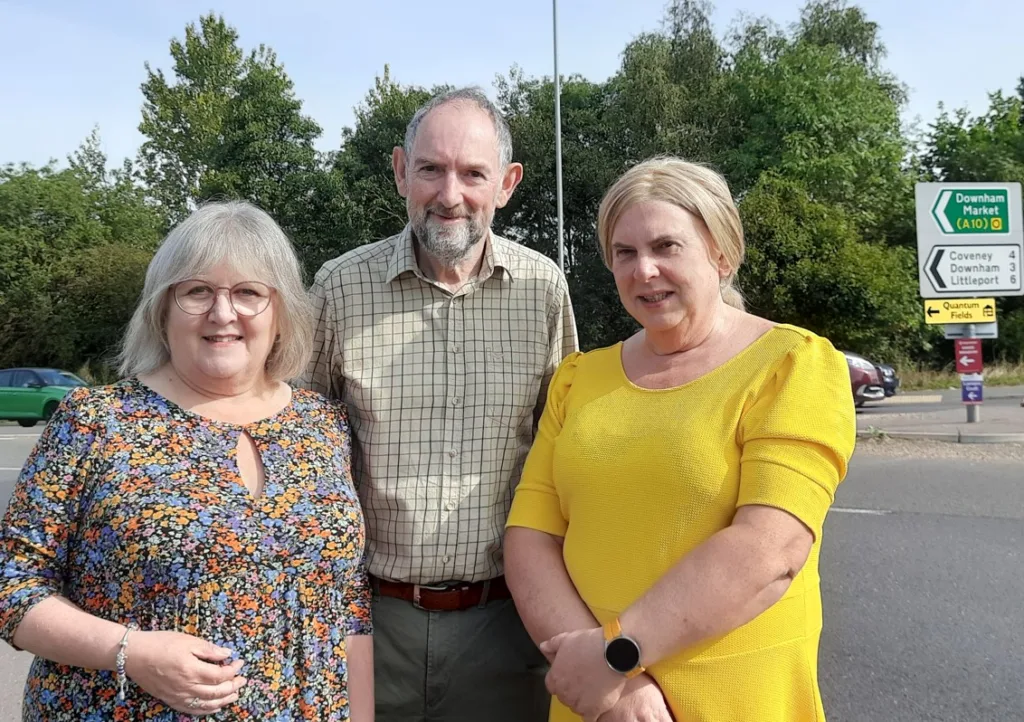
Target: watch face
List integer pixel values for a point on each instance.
(622, 654)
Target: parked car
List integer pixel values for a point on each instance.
(30, 395)
(865, 379)
(890, 381)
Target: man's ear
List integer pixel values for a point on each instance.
(513, 177)
(398, 161)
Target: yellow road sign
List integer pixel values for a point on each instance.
(960, 310)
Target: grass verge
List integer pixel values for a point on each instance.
(919, 379)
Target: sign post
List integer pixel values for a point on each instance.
(970, 250)
(972, 386)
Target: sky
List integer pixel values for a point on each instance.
(70, 66)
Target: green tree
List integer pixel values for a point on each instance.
(182, 120)
(591, 160)
(229, 125)
(989, 147)
(267, 155)
(364, 161)
(807, 265)
(669, 95)
(48, 219)
(813, 113)
(837, 24)
(266, 144)
(118, 202)
(92, 305)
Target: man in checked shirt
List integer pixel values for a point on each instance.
(441, 341)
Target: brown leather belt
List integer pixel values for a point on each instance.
(453, 598)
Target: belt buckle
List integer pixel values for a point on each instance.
(416, 588)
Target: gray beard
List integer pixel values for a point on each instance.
(448, 245)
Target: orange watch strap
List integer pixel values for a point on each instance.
(612, 630)
(635, 672)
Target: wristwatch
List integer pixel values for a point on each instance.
(621, 653)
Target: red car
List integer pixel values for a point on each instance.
(865, 379)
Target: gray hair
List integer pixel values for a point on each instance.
(245, 238)
(465, 95)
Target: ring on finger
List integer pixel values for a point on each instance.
(194, 703)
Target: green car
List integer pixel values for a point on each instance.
(31, 395)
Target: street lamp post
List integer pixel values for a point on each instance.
(558, 138)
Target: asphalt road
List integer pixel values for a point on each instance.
(925, 401)
(923, 613)
(922, 585)
(15, 445)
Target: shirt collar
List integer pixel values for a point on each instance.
(403, 257)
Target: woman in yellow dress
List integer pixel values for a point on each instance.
(663, 542)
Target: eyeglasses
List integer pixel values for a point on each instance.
(248, 298)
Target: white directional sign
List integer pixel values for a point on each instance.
(991, 269)
(970, 239)
(974, 330)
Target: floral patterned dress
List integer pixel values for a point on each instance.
(134, 509)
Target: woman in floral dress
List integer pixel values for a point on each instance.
(188, 541)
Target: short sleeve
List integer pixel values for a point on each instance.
(358, 600)
(42, 512)
(536, 504)
(799, 433)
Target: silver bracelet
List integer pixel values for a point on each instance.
(122, 657)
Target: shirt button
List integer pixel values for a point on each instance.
(450, 506)
(456, 401)
(446, 560)
(453, 453)
(455, 348)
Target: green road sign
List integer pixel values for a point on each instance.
(972, 210)
(970, 239)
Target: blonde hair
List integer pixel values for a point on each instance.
(694, 188)
(244, 237)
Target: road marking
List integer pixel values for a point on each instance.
(15, 437)
(10, 468)
(896, 400)
(872, 512)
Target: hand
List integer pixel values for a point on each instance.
(641, 701)
(579, 675)
(179, 668)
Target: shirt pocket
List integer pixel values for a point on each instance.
(513, 377)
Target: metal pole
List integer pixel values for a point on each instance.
(558, 138)
(973, 410)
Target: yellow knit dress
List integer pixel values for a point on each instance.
(634, 479)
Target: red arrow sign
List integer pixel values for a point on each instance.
(968, 356)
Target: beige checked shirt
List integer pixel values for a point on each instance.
(443, 392)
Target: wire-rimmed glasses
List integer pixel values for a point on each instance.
(196, 297)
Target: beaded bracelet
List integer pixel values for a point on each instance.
(122, 657)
